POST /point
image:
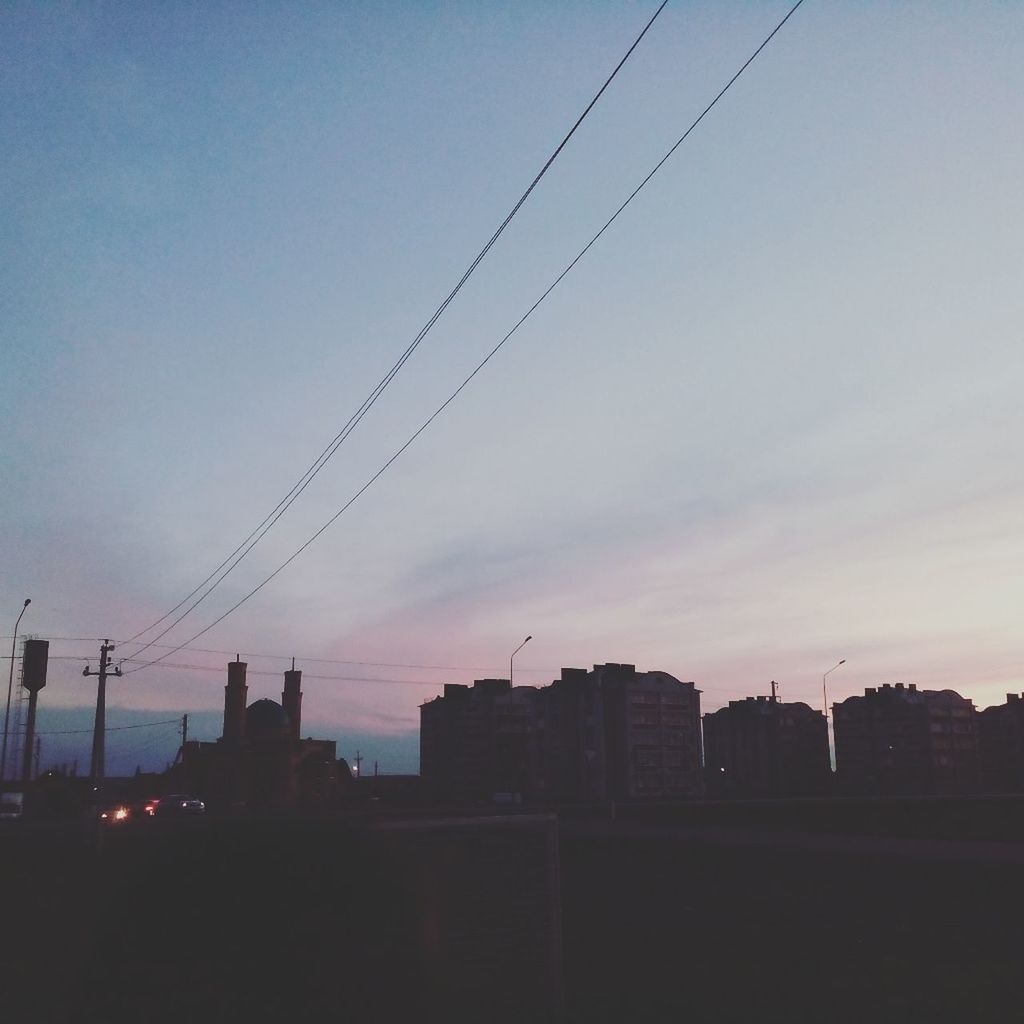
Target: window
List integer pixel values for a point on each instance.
(646, 759)
(642, 699)
(645, 718)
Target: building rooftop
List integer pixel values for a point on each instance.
(266, 717)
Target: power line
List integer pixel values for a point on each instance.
(286, 657)
(320, 661)
(179, 666)
(174, 666)
(341, 661)
(216, 669)
(304, 481)
(56, 639)
(305, 675)
(451, 398)
(61, 657)
(110, 728)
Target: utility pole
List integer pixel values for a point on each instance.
(359, 762)
(97, 768)
(39, 746)
(776, 780)
(179, 755)
(375, 769)
(10, 685)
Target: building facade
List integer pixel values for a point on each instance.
(652, 740)
(898, 740)
(761, 747)
(571, 724)
(1001, 746)
(478, 741)
(608, 733)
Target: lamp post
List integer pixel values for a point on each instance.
(824, 691)
(514, 653)
(10, 685)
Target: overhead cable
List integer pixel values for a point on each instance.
(110, 728)
(483, 362)
(236, 556)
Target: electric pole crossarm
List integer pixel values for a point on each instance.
(97, 768)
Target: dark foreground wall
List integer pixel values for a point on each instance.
(946, 817)
(284, 920)
(299, 920)
(706, 924)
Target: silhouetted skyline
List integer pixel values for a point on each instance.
(771, 422)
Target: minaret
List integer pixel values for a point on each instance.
(291, 699)
(234, 702)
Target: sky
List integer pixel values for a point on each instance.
(772, 420)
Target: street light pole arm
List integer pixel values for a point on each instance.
(514, 653)
(824, 687)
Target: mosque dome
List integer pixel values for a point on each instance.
(266, 719)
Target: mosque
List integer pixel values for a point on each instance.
(261, 761)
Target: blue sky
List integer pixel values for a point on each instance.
(772, 420)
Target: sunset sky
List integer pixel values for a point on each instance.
(773, 419)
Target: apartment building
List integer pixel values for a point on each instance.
(896, 739)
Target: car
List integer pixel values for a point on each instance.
(179, 805)
(115, 814)
(143, 808)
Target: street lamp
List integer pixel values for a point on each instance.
(10, 685)
(514, 653)
(824, 691)
(824, 688)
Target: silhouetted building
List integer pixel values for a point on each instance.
(761, 747)
(611, 733)
(897, 739)
(260, 761)
(1001, 746)
(479, 741)
(572, 722)
(651, 734)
